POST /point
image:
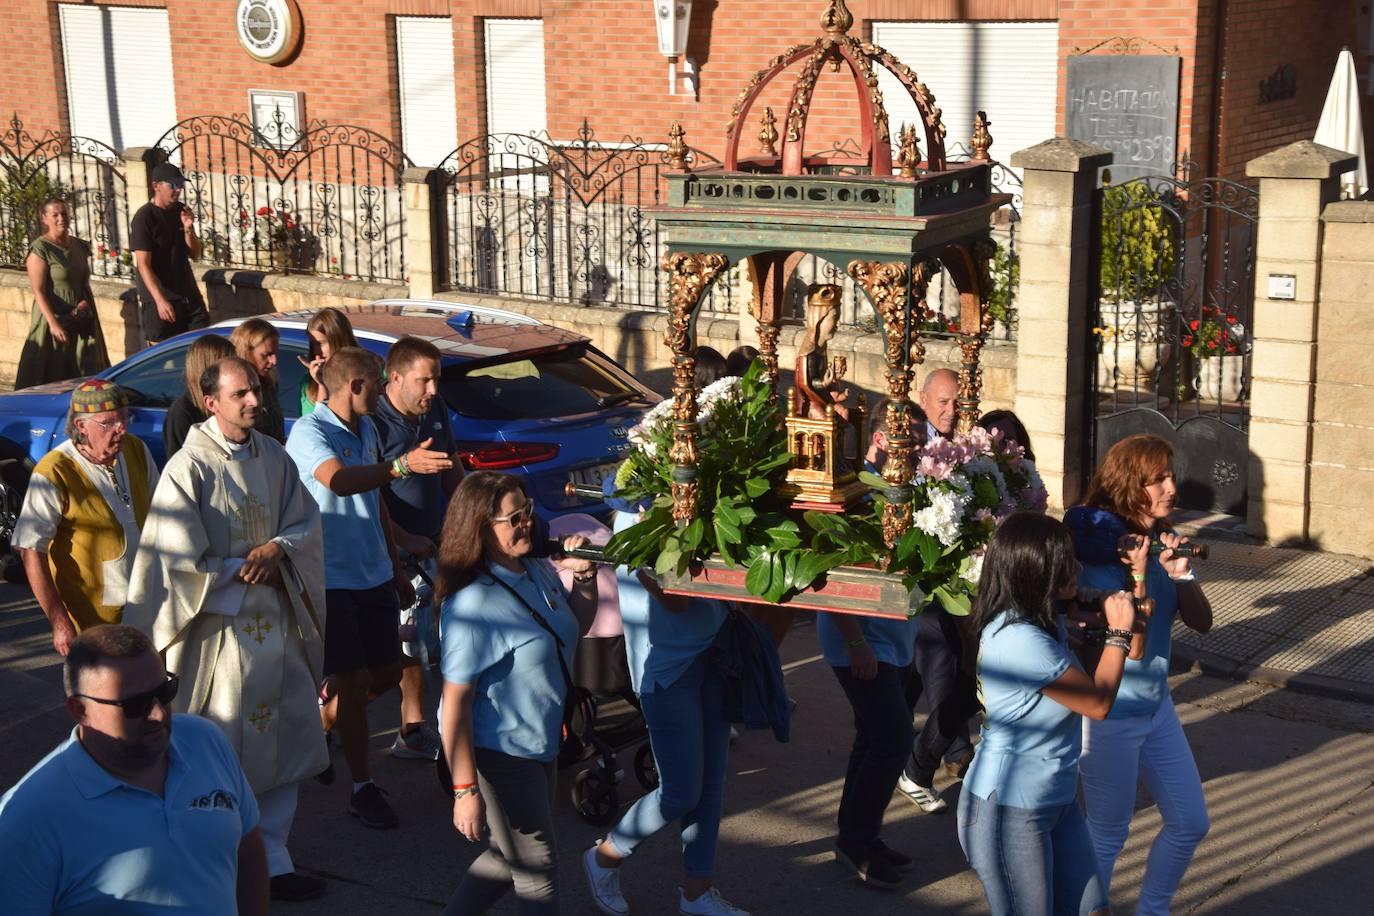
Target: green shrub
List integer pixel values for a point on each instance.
(1138, 239)
(23, 187)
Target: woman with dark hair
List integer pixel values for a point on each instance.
(1011, 428)
(189, 409)
(329, 331)
(710, 366)
(64, 339)
(1130, 497)
(738, 360)
(1019, 821)
(507, 634)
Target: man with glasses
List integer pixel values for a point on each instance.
(162, 235)
(339, 458)
(139, 809)
(79, 527)
(229, 582)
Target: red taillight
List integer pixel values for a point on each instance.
(506, 455)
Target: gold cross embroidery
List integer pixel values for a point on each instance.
(257, 627)
(260, 717)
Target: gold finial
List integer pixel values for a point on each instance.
(910, 153)
(768, 133)
(982, 140)
(836, 19)
(677, 148)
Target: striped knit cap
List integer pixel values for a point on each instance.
(98, 395)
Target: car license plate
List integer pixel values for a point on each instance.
(595, 476)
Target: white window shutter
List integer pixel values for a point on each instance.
(429, 106)
(515, 76)
(118, 65)
(1007, 69)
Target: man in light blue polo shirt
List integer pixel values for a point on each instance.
(338, 455)
(139, 811)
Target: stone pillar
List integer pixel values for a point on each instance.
(1296, 182)
(422, 249)
(138, 161)
(1341, 514)
(1057, 226)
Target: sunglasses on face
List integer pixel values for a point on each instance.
(520, 516)
(140, 704)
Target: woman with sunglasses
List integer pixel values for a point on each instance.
(507, 633)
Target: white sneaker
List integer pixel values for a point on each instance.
(710, 903)
(923, 797)
(604, 884)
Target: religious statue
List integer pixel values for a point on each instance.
(818, 378)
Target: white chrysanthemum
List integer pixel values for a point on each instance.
(941, 518)
(975, 569)
(642, 434)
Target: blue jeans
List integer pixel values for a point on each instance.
(1032, 861)
(882, 743)
(691, 740)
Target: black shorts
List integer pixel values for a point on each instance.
(191, 314)
(360, 629)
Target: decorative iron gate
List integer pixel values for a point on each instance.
(1172, 328)
(548, 219)
(86, 173)
(327, 199)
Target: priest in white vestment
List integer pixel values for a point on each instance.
(229, 582)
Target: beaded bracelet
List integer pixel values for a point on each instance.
(1113, 633)
(583, 578)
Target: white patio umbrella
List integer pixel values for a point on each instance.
(1340, 127)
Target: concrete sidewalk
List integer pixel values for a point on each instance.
(1296, 618)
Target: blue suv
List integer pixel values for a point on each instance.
(524, 397)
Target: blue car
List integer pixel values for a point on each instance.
(524, 397)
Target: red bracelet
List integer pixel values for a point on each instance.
(466, 785)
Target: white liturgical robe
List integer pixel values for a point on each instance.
(250, 657)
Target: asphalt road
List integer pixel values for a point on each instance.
(1289, 782)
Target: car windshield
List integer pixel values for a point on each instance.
(559, 384)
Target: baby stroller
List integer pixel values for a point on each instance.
(607, 716)
(601, 679)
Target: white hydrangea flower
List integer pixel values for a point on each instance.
(941, 519)
(975, 569)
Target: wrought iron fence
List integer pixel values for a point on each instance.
(527, 215)
(1173, 326)
(327, 199)
(86, 173)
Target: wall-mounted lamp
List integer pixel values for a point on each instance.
(673, 17)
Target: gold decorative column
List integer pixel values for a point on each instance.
(688, 277)
(886, 286)
(974, 324)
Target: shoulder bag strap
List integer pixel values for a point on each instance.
(544, 624)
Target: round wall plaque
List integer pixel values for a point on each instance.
(269, 30)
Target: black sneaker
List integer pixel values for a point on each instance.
(900, 860)
(869, 867)
(293, 886)
(368, 806)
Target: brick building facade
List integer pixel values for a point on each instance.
(601, 62)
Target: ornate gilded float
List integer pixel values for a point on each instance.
(890, 225)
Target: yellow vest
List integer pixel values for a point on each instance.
(89, 534)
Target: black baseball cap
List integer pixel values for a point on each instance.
(169, 173)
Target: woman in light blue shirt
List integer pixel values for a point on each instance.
(507, 633)
(1019, 820)
(1131, 496)
(666, 639)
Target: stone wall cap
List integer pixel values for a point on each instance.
(1062, 154)
(417, 174)
(1303, 159)
(1349, 211)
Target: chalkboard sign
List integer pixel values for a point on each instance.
(1129, 104)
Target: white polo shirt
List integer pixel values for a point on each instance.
(74, 839)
